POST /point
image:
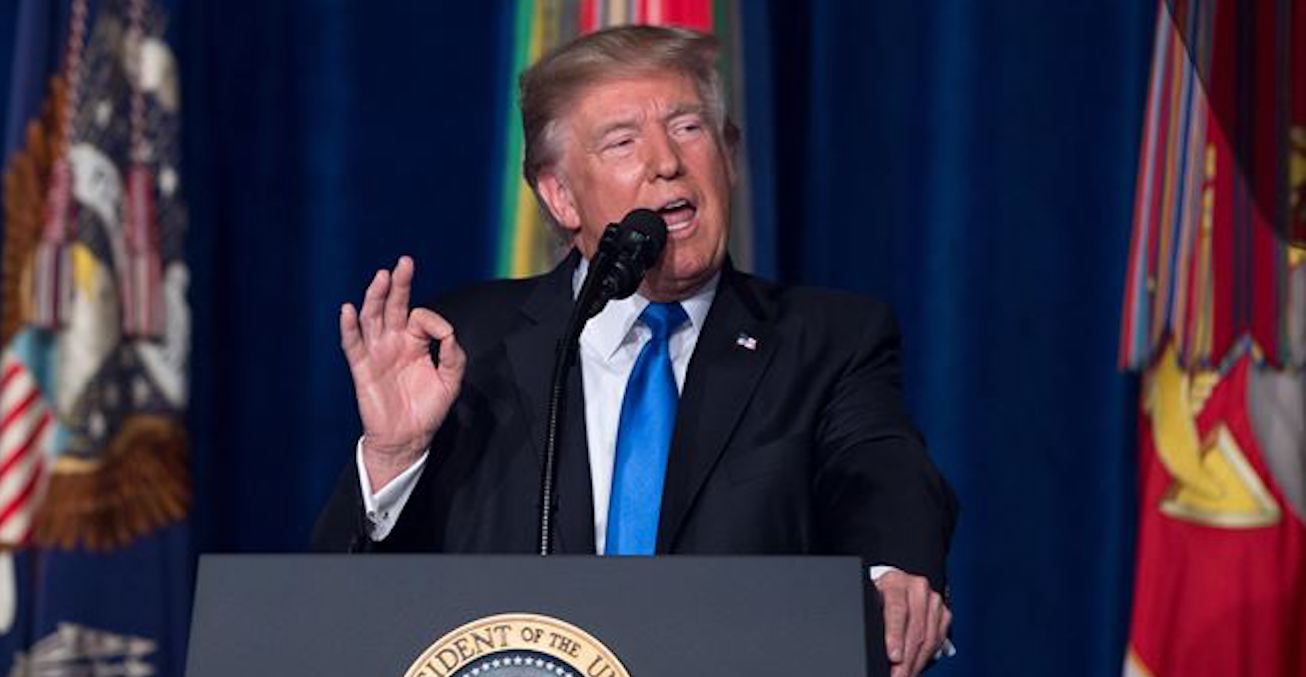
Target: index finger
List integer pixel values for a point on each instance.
(895, 622)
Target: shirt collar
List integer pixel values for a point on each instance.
(606, 331)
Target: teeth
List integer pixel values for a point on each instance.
(677, 204)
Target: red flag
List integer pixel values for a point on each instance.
(1220, 586)
(1215, 315)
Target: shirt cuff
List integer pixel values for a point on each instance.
(881, 569)
(382, 508)
(948, 650)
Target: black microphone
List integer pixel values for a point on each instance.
(625, 252)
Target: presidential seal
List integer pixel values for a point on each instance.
(517, 645)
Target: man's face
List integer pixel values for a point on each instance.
(645, 141)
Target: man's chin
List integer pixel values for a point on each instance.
(675, 281)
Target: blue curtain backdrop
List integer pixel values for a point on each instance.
(971, 162)
(323, 140)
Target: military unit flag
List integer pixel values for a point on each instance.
(1215, 318)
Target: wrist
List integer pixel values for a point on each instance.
(384, 462)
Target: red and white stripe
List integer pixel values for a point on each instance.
(26, 424)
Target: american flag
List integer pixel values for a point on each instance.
(25, 426)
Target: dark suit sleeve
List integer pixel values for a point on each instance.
(342, 526)
(878, 494)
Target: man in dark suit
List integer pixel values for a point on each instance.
(712, 412)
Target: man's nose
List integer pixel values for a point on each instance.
(664, 158)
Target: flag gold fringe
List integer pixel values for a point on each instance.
(140, 485)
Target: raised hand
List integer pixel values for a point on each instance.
(403, 395)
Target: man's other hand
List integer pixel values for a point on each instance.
(915, 622)
(403, 395)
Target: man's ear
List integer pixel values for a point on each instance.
(558, 198)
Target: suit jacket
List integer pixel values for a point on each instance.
(800, 444)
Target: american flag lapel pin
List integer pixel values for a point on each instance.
(745, 341)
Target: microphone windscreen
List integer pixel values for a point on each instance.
(647, 230)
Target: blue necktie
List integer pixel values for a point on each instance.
(648, 417)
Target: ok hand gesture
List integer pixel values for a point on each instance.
(403, 395)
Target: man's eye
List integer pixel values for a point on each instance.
(620, 143)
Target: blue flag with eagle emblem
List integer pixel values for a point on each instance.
(95, 569)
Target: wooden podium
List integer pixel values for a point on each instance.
(381, 616)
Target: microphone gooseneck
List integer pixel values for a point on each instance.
(625, 252)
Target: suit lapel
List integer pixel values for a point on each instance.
(530, 353)
(733, 351)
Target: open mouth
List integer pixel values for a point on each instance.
(678, 213)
